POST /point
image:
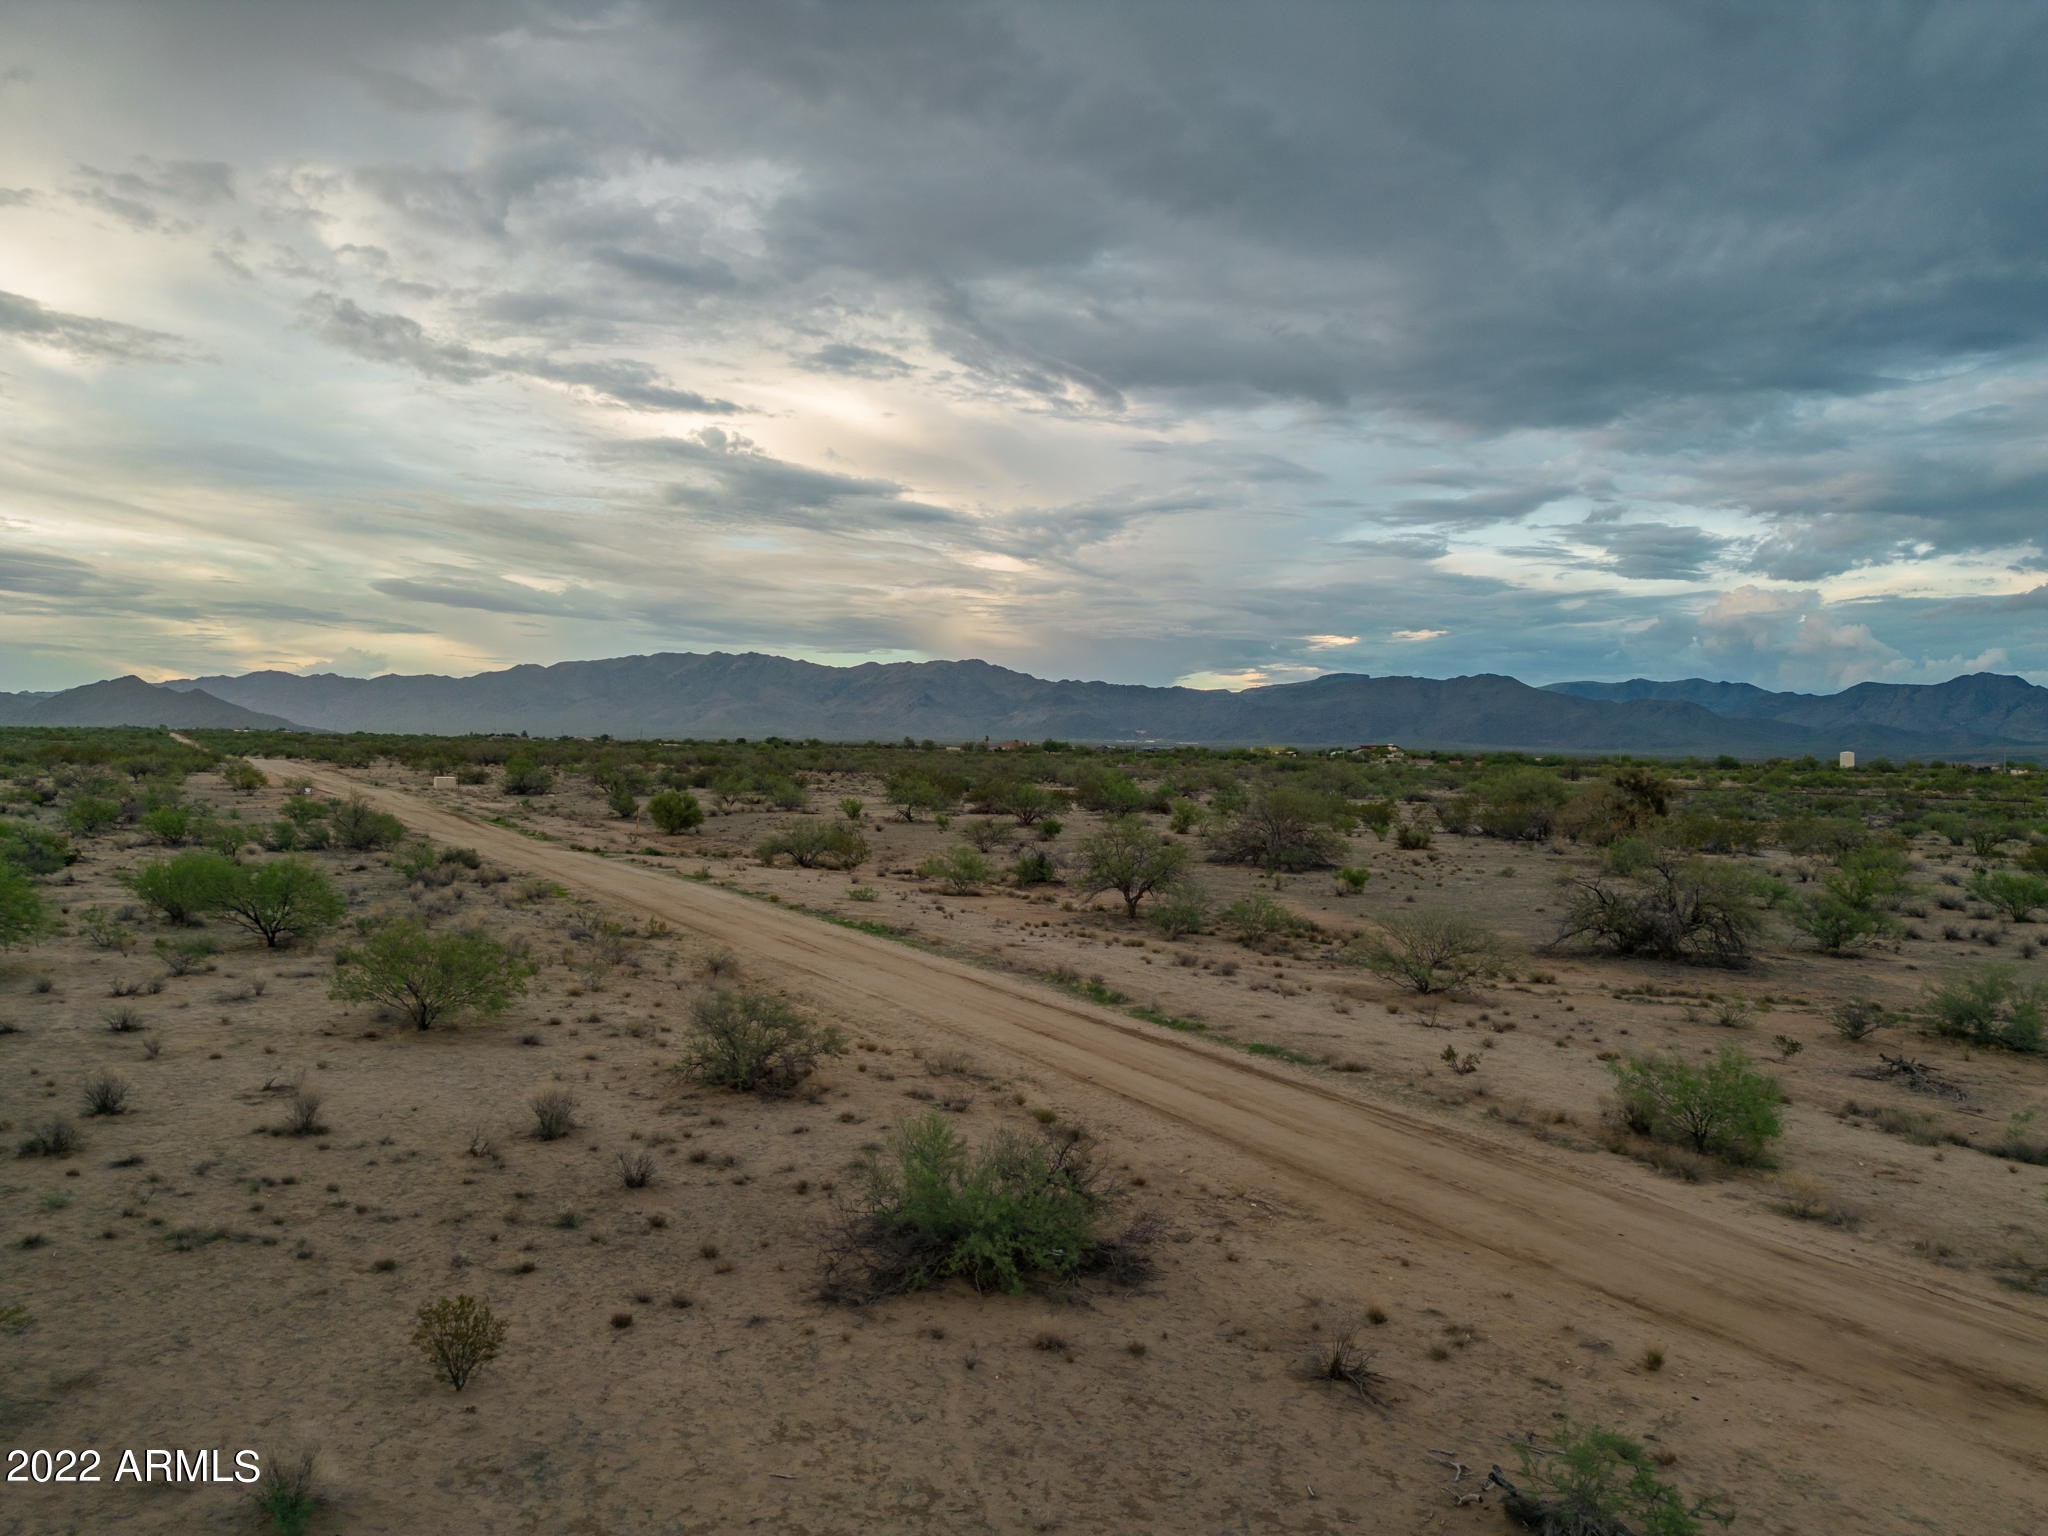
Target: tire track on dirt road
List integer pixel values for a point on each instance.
(1939, 1367)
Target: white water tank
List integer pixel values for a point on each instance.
(1846, 760)
(444, 781)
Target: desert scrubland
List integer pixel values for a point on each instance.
(1393, 1119)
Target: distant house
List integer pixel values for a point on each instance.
(1011, 746)
(1384, 749)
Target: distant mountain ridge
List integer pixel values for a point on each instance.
(131, 701)
(1989, 706)
(723, 695)
(754, 695)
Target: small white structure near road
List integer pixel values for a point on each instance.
(1846, 760)
(444, 781)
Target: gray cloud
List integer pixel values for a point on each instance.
(1228, 329)
(393, 338)
(861, 362)
(84, 335)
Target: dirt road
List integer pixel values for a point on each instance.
(1917, 1362)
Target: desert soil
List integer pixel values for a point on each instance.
(1821, 1379)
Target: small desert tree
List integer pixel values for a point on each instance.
(431, 977)
(1430, 951)
(620, 800)
(754, 1042)
(282, 900)
(1726, 1109)
(458, 1334)
(1128, 857)
(1669, 907)
(186, 886)
(675, 811)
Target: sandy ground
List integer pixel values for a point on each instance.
(1823, 1380)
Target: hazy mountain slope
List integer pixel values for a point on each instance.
(1983, 706)
(755, 695)
(131, 701)
(14, 705)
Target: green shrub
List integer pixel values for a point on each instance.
(1991, 1006)
(170, 824)
(186, 886)
(960, 869)
(2015, 893)
(24, 915)
(1835, 923)
(1181, 911)
(458, 1334)
(620, 800)
(1259, 919)
(1034, 866)
(1430, 951)
(90, 815)
(675, 811)
(359, 828)
(1726, 1109)
(1412, 836)
(1352, 879)
(104, 928)
(283, 900)
(428, 977)
(1599, 1483)
(285, 1497)
(186, 957)
(753, 1042)
(525, 776)
(931, 1209)
(851, 808)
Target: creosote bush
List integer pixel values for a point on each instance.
(931, 1208)
(106, 1094)
(55, 1137)
(1430, 951)
(285, 1497)
(554, 1114)
(1990, 1006)
(1599, 1483)
(458, 1334)
(752, 1041)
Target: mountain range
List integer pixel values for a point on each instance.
(131, 701)
(754, 695)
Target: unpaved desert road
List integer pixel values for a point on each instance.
(1919, 1363)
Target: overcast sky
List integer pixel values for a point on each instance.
(1144, 341)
